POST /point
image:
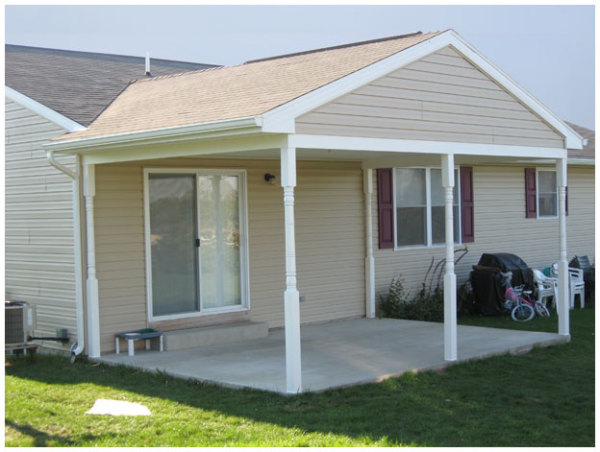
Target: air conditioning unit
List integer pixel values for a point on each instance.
(18, 323)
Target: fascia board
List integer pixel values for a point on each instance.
(282, 119)
(342, 143)
(581, 162)
(177, 133)
(40, 109)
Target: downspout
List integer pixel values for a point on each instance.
(77, 347)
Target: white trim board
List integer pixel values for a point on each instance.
(421, 147)
(205, 130)
(282, 119)
(42, 110)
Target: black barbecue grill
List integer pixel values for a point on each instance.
(486, 280)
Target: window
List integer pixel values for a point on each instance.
(547, 199)
(419, 201)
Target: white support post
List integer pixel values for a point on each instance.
(291, 296)
(93, 312)
(369, 259)
(450, 324)
(563, 304)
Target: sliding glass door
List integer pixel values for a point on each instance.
(219, 241)
(195, 241)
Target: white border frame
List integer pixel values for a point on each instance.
(537, 194)
(244, 255)
(429, 231)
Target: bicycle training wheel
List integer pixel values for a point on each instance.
(522, 313)
(541, 310)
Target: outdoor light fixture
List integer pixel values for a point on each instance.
(270, 178)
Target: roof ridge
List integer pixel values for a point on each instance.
(178, 74)
(86, 52)
(340, 46)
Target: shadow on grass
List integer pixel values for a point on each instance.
(482, 403)
(40, 439)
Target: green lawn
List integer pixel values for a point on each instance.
(544, 398)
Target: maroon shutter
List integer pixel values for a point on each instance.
(466, 204)
(530, 194)
(566, 200)
(385, 204)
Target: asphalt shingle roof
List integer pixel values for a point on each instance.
(589, 150)
(79, 85)
(241, 91)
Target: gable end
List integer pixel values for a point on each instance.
(440, 97)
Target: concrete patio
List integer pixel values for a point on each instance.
(335, 354)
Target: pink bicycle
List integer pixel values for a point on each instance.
(518, 301)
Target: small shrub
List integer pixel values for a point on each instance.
(427, 305)
(394, 304)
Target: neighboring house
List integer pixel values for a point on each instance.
(381, 148)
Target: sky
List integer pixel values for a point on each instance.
(548, 50)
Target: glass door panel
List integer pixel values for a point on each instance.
(172, 201)
(219, 225)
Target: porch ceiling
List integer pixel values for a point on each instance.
(335, 354)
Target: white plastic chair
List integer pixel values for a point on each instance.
(576, 284)
(546, 287)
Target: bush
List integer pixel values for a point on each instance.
(395, 304)
(427, 305)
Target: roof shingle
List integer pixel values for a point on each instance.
(245, 90)
(79, 85)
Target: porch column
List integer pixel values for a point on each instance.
(563, 304)
(450, 327)
(369, 260)
(93, 314)
(291, 296)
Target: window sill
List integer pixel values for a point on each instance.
(424, 247)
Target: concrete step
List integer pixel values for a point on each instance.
(214, 335)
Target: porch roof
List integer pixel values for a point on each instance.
(245, 90)
(334, 354)
(266, 96)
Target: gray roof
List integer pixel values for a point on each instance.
(589, 150)
(79, 85)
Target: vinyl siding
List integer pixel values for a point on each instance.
(500, 226)
(39, 262)
(329, 241)
(441, 97)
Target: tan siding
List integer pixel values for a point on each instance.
(38, 223)
(329, 237)
(501, 226)
(441, 97)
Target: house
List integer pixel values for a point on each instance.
(48, 93)
(390, 152)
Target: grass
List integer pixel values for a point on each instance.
(544, 398)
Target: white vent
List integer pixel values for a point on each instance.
(18, 323)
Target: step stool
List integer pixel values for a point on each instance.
(132, 336)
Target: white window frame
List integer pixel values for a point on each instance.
(244, 256)
(428, 207)
(537, 194)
